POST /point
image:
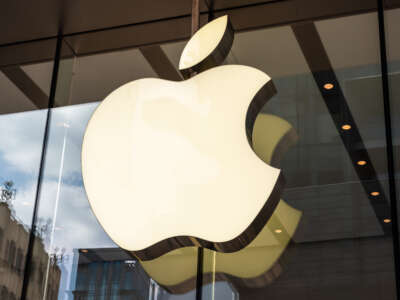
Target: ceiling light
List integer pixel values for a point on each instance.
(328, 86)
(278, 230)
(361, 163)
(387, 220)
(346, 127)
(375, 194)
(84, 251)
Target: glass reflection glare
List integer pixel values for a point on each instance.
(18, 179)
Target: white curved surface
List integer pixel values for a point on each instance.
(163, 159)
(203, 43)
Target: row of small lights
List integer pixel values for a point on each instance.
(329, 86)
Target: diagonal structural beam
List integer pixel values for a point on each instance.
(26, 85)
(322, 71)
(160, 63)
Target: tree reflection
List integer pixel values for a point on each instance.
(14, 239)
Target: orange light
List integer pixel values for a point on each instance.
(387, 220)
(375, 194)
(346, 127)
(328, 86)
(84, 251)
(361, 162)
(278, 230)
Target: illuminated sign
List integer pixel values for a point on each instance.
(170, 164)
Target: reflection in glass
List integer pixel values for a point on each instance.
(19, 174)
(89, 263)
(339, 231)
(259, 263)
(393, 55)
(23, 93)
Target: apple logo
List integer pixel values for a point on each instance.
(170, 164)
(260, 262)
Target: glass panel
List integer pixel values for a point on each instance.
(335, 208)
(329, 236)
(24, 89)
(393, 56)
(84, 263)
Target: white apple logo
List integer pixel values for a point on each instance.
(169, 164)
(261, 261)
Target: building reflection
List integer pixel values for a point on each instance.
(109, 273)
(14, 238)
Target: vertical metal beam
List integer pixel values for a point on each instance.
(29, 255)
(389, 143)
(199, 278)
(210, 5)
(200, 253)
(195, 15)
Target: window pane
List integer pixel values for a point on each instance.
(84, 263)
(25, 78)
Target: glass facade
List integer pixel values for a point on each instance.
(334, 232)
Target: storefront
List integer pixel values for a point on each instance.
(332, 235)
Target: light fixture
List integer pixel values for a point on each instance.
(361, 163)
(328, 86)
(278, 230)
(387, 220)
(84, 250)
(374, 194)
(346, 127)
